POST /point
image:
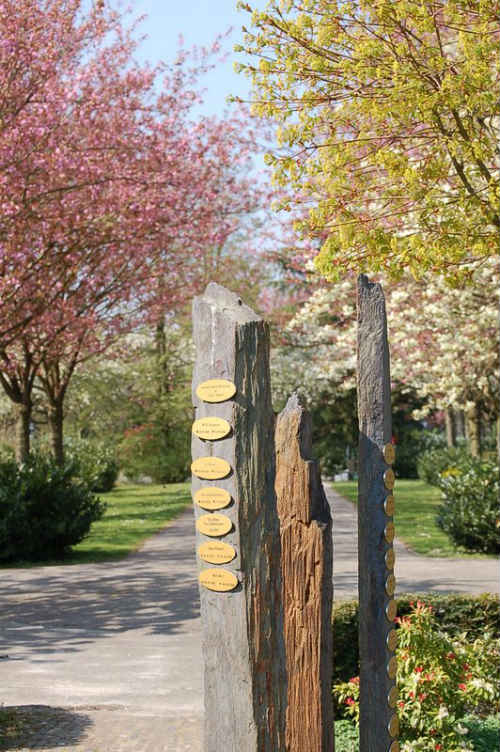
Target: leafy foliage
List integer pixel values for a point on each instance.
(469, 512)
(44, 509)
(433, 462)
(386, 116)
(484, 732)
(439, 680)
(411, 441)
(96, 462)
(453, 615)
(157, 451)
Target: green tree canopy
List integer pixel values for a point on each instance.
(387, 112)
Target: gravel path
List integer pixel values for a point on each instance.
(106, 657)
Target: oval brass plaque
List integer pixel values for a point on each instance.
(211, 428)
(389, 505)
(393, 726)
(213, 524)
(212, 497)
(395, 747)
(392, 697)
(392, 640)
(389, 532)
(220, 580)
(391, 610)
(216, 390)
(390, 558)
(210, 468)
(390, 585)
(392, 668)
(389, 453)
(389, 479)
(216, 552)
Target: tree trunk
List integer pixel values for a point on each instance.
(473, 422)
(23, 421)
(161, 354)
(498, 439)
(460, 424)
(451, 429)
(56, 423)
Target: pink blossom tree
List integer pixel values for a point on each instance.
(110, 195)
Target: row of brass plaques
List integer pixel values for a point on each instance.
(212, 498)
(390, 586)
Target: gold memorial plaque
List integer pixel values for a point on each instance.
(392, 668)
(220, 580)
(389, 505)
(392, 640)
(211, 428)
(389, 479)
(216, 552)
(213, 524)
(212, 497)
(389, 532)
(389, 453)
(210, 468)
(390, 558)
(390, 585)
(395, 747)
(393, 726)
(216, 390)
(391, 610)
(392, 697)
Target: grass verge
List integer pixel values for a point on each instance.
(415, 517)
(134, 513)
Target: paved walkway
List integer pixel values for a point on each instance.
(414, 573)
(106, 657)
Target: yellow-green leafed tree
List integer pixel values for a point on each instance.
(387, 113)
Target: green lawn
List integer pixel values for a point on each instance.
(134, 513)
(416, 502)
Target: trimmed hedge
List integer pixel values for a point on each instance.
(454, 613)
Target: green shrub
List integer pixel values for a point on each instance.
(454, 615)
(96, 461)
(469, 512)
(44, 509)
(157, 452)
(346, 736)
(6, 452)
(484, 733)
(412, 443)
(433, 462)
(439, 680)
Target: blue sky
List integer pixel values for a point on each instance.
(199, 22)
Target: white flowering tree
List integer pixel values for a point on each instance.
(444, 343)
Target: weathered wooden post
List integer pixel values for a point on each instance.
(378, 721)
(306, 565)
(238, 539)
